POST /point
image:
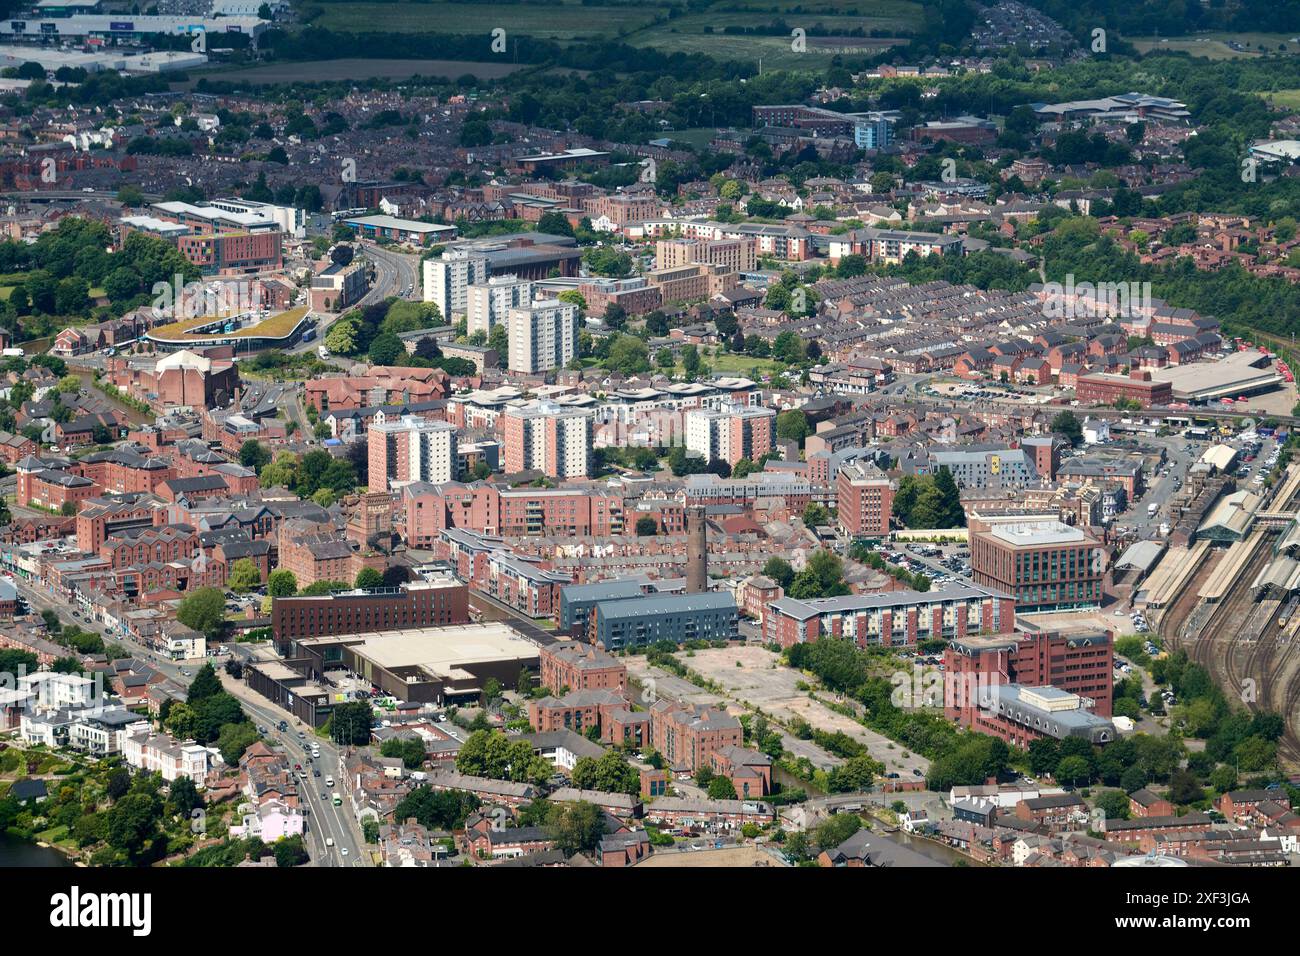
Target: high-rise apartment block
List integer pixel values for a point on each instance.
(864, 499)
(411, 449)
(554, 440)
(543, 336)
(489, 303)
(730, 433)
(447, 279)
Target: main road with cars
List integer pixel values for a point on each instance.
(333, 837)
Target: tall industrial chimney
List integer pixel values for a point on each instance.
(697, 551)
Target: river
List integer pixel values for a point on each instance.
(15, 851)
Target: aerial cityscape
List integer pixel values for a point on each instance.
(556, 434)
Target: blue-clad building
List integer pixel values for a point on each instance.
(638, 621)
(577, 600)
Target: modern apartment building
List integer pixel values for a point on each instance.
(543, 336)
(639, 621)
(738, 254)
(891, 618)
(552, 439)
(490, 302)
(447, 279)
(732, 433)
(411, 449)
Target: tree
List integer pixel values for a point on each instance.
(342, 337)
(409, 749)
(350, 723)
(386, 349)
(609, 772)
(720, 788)
(1067, 424)
(816, 514)
(1114, 803)
(369, 578)
(615, 316)
(554, 223)
(1185, 788)
(792, 425)
(690, 359)
(856, 775)
(283, 471)
(440, 810)
(574, 297)
(646, 527)
(244, 576)
(234, 738)
(290, 851)
(204, 611)
(489, 753)
(281, 583)
(577, 827)
(1073, 770)
(118, 783)
(779, 570)
(253, 454)
(131, 823)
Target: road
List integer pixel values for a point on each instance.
(395, 272)
(324, 820)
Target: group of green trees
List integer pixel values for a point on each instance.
(317, 475)
(609, 772)
(118, 818)
(860, 551)
(490, 753)
(51, 279)
(210, 715)
(373, 332)
(929, 501)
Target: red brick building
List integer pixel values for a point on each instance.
(579, 666)
(1106, 388)
(1080, 662)
(865, 497)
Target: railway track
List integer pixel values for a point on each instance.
(1243, 639)
(1173, 618)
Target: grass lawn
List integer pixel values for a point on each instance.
(1287, 99)
(733, 364)
(729, 363)
(1214, 46)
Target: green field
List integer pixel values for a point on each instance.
(705, 33)
(775, 52)
(729, 363)
(1214, 46)
(642, 24)
(565, 22)
(1285, 99)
